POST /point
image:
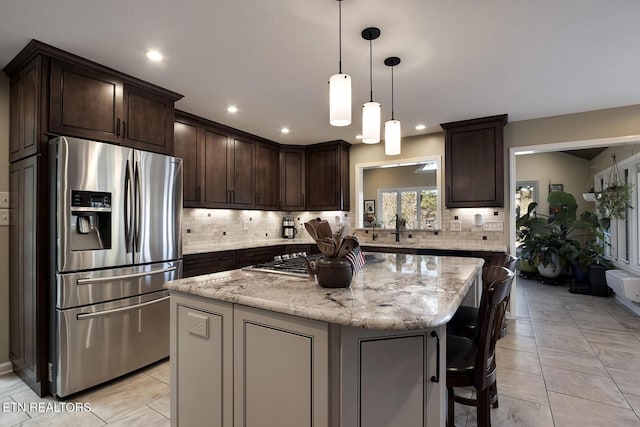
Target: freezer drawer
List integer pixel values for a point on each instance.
(93, 287)
(100, 342)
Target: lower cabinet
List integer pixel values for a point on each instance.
(233, 365)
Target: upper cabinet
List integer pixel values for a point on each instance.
(267, 178)
(327, 176)
(186, 140)
(474, 168)
(54, 92)
(292, 178)
(95, 104)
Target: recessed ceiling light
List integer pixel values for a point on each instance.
(154, 55)
(420, 127)
(232, 109)
(284, 130)
(358, 136)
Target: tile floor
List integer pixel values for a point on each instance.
(141, 399)
(568, 360)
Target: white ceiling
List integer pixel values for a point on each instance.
(461, 59)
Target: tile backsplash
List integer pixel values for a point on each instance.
(205, 228)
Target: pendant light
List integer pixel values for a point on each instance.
(340, 87)
(392, 127)
(371, 109)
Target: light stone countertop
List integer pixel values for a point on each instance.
(407, 244)
(400, 292)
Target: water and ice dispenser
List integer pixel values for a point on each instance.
(90, 220)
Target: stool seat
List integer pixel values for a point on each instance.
(461, 355)
(463, 322)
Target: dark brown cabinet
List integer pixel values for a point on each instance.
(267, 177)
(327, 176)
(186, 147)
(292, 178)
(474, 169)
(206, 263)
(241, 161)
(96, 104)
(25, 95)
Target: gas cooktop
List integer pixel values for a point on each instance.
(289, 265)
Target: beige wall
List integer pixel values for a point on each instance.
(556, 168)
(4, 231)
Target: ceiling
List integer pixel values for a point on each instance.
(272, 59)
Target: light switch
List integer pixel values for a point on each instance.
(4, 199)
(455, 225)
(493, 226)
(198, 324)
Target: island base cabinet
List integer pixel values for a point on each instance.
(389, 378)
(281, 373)
(201, 363)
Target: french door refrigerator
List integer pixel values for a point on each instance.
(117, 239)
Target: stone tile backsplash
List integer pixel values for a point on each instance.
(204, 228)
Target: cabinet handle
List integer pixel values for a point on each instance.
(233, 196)
(228, 196)
(197, 193)
(118, 127)
(436, 378)
(257, 198)
(303, 201)
(124, 129)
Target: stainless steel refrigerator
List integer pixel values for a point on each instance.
(117, 239)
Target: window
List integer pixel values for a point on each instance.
(416, 208)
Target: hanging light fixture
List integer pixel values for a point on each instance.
(340, 87)
(371, 109)
(392, 127)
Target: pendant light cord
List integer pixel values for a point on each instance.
(392, 118)
(370, 73)
(340, 36)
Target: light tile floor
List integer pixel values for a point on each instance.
(141, 399)
(568, 360)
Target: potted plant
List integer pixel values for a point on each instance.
(613, 201)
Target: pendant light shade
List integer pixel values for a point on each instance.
(340, 100)
(371, 109)
(340, 87)
(392, 137)
(371, 122)
(392, 131)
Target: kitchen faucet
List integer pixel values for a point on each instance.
(397, 233)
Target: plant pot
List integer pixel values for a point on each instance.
(598, 281)
(527, 268)
(580, 274)
(552, 270)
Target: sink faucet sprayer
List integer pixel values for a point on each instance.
(397, 233)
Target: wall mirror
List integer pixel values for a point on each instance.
(408, 188)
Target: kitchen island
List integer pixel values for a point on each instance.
(261, 349)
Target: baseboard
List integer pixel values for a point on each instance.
(5, 368)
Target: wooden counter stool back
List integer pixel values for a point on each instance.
(471, 362)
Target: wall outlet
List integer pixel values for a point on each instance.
(493, 226)
(198, 324)
(4, 199)
(245, 226)
(455, 225)
(4, 217)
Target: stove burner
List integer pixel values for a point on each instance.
(293, 266)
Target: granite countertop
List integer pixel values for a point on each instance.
(400, 292)
(466, 246)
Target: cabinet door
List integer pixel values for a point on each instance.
(281, 370)
(327, 176)
(215, 173)
(267, 176)
(202, 392)
(474, 162)
(292, 179)
(241, 173)
(85, 103)
(186, 146)
(148, 121)
(25, 111)
(23, 291)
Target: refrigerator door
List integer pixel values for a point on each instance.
(158, 207)
(93, 204)
(97, 343)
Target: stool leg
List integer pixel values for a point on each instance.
(484, 416)
(450, 407)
